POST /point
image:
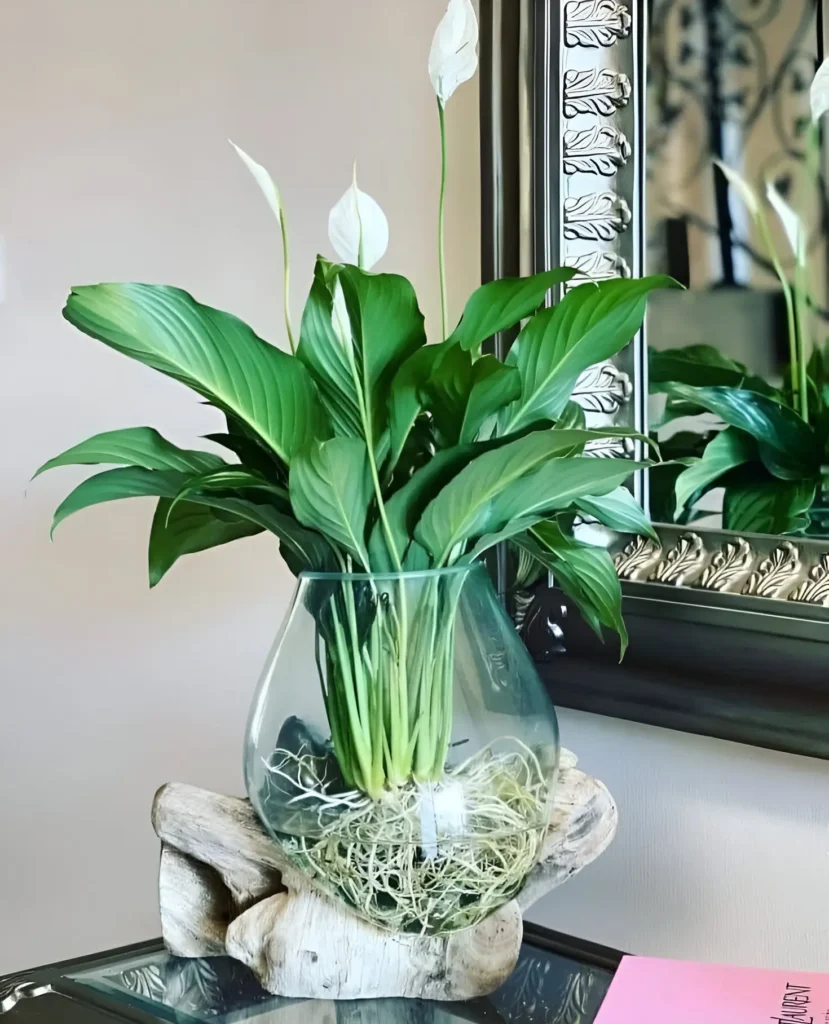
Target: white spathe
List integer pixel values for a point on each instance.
(453, 59)
(263, 180)
(742, 187)
(819, 94)
(358, 229)
(340, 320)
(792, 224)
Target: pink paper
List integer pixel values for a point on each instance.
(647, 991)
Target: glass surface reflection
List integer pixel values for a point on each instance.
(544, 987)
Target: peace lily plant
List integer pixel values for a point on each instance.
(368, 451)
(772, 456)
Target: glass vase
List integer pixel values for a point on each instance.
(401, 747)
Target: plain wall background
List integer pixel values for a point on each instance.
(114, 166)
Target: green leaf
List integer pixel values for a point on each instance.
(252, 453)
(232, 478)
(557, 484)
(406, 506)
(464, 392)
(309, 550)
(489, 540)
(417, 559)
(325, 356)
(186, 529)
(788, 446)
(406, 395)
(134, 446)
(387, 327)
(768, 506)
(331, 488)
(464, 507)
(572, 416)
(499, 305)
(591, 323)
(730, 448)
(211, 352)
(619, 511)
(114, 484)
(701, 366)
(585, 573)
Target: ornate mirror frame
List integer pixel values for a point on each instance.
(727, 630)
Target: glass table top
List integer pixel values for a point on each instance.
(545, 987)
(558, 980)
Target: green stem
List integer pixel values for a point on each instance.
(441, 211)
(791, 319)
(286, 282)
(802, 318)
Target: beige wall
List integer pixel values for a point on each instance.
(113, 165)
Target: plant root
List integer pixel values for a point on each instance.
(429, 858)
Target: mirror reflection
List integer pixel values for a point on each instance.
(737, 211)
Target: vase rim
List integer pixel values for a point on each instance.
(412, 574)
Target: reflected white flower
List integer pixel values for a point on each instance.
(453, 59)
(358, 228)
(792, 224)
(819, 95)
(742, 187)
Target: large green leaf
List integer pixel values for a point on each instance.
(500, 305)
(186, 529)
(619, 511)
(591, 323)
(585, 573)
(327, 359)
(406, 395)
(386, 327)
(308, 549)
(211, 352)
(788, 446)
(464, 507)
(702, 366)
(134, 446)
(730, 448)
(331, 488)
(768, 506)
(556, 484)
(464, 392)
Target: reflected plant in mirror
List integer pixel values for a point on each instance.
(738, 383)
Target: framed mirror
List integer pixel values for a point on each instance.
(626, 137)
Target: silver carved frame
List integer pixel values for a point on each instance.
(564, 183)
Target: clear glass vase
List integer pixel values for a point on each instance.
(401, 747)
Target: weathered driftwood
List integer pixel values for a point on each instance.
(226, 887)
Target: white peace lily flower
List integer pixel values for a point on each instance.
(358, 228)
(745, 191)
(453, 59)
(819, 94)
(340, 320)
(792, 224)
(263, 180)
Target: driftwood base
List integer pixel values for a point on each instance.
(226, 887)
